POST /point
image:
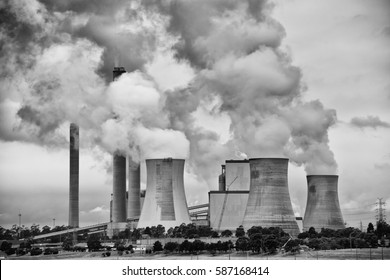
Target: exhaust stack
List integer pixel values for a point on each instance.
(74, 176)
(269, 203)
(119, 175)
(322, 207)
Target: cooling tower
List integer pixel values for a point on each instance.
(74, 176)
(322, 207)
(165, 201)
(134, 193)
(269, 203)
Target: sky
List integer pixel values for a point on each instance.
(207, 81)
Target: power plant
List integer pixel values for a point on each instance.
(251, 192)
(322, 207)
(269, 203)
(165, 201)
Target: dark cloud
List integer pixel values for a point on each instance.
(369, 121)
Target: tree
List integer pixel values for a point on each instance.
(240, 231)
(242, 243)
(303, 235)
(136, 234)
(94, 244)
(214, 234)
(254, 230)
(370, 228)
(255, 242)
(171, 246)
(198, 245)
(5, 246)
(226, 233)
(35, 230)
(271, 244)
(185, 246)
(147, 231)
(382, 229)
(292, 246)
(312, 233)
(157, 246)
(45, 229)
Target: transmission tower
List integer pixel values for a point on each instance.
(381, 210)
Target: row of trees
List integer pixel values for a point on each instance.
(23, 232)
(328, 239)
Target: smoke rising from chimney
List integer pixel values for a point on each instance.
(59, 57)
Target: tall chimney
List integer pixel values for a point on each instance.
(165, 201)
(74, 176)
(269, 203)
(119, 175)
(322, 207)
(134, 197)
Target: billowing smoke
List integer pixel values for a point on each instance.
(369, 121)
(235, 46)
(57, 59)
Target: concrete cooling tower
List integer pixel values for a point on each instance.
(269, 203)
(165, 201)
(322, 207)
(74, 176)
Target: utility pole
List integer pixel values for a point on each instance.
(381, 210)
(20, 223)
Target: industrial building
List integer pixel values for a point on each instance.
(165, 201)
(322, 207)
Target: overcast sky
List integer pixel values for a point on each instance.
(208, 81)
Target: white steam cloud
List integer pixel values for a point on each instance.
(58, 58)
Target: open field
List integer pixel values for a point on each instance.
(345, 254)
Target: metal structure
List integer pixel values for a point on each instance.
(322, 207)
(134, 191)
(119, 212)
(74, 176)
(269, 203)
(165, 201)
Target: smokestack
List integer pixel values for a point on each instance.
(74, 176)
(269, 203)
(119, 189)
(322, 207)
(165, 201)
(222, 180)
(119, 175)
(134, 193)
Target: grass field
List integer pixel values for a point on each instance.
(345, 254)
